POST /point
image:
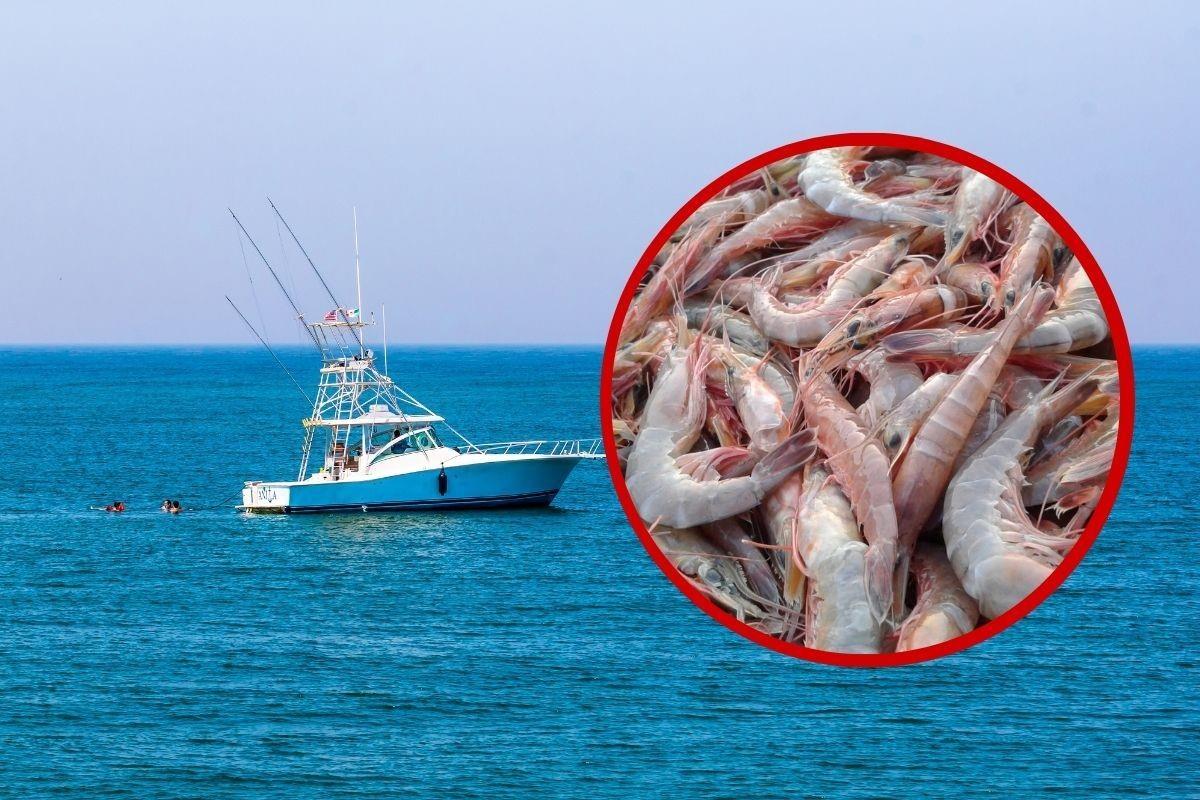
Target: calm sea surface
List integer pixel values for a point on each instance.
(498, 654)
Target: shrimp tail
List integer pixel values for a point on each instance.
(791, 454)
(930, 341)
(879, 560)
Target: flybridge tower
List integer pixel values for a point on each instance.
(353, 394)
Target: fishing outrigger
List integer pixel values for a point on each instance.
(381, 447)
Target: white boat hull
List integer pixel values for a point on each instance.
(471, 481)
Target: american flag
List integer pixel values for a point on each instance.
(331, 316)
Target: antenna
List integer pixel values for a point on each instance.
(357, 272)
(320, 277)
(269, 350)
(279, 283)
(385, 367)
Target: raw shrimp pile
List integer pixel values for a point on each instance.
(865, 400)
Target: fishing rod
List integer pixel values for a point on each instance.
(269, 350)
(279, 283)
(361, 347)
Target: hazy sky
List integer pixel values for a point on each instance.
(510, 162)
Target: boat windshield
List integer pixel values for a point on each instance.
(422, 439)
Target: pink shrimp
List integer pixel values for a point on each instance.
(787, 221)
(671, 423)
(944, 610)
(976, 203)
(1030, 258)
(925, 470)
(998, 553)
(861, 467)
(806, 325)
(663, 286)
(826, 181)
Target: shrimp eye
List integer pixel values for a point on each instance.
(985, 288)
(853, 327)
(894, 440)
(956, 236)
(1010, 297)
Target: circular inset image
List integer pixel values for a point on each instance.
(868, 399)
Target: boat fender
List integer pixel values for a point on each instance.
(443, 481)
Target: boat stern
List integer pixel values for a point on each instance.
(265, 498)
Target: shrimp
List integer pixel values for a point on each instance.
(860, 466)
(987, 423)
(717, 463)
(781, 516)
(805, 266)
(1078, 322)
(925, 470)
(729, 535)
(786, 221)
(1031, 257)
(981, 285)
(632, 359)
(733, 209)
(997, 552)
(908, 275)
(710, 570)
(671, 423)
(807, 325)
(703, 314)
(944, 610)
(891, 382)
(906, 317)
(1018, 387)
(912, 309)
(663, 286)
(909, 413)
(840, 615)
(825, 180)
(1079, 464)
(975, 205)
(759, 407)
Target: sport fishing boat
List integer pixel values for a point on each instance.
(382, 450)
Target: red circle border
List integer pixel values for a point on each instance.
(1117, 330)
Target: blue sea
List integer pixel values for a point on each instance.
(514, 653)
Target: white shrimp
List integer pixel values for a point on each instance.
(902, 420)
(825, 180)
(806, 325)
(976, 202)
(891, 382)
(997, 552)
(944, 610)
(671, 423)
(713, 572)
(834, 555)
(1076, 323)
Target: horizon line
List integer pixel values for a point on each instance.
(303, 345)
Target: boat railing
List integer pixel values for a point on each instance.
(584, 448)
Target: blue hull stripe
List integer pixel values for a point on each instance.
(529, 499)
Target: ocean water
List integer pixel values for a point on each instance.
(513, 653)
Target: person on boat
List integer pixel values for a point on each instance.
(115, 506)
